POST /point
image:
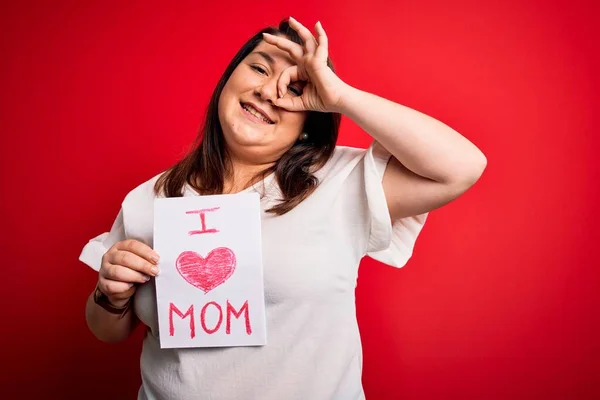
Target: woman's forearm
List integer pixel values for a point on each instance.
(424, 145)
(109, 327)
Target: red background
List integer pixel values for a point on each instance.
(500, 298)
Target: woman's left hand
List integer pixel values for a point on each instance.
(323, 88)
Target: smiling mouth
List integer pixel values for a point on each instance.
(254, 114)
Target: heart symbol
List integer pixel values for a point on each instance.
(206, 273)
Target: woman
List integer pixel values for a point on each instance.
(271, 127)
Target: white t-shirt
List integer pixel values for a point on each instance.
(311, 257)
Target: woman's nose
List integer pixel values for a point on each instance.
(268, 91)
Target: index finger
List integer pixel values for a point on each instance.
(288, 76)
(140, 249)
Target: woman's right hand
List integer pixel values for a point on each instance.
(124, 265)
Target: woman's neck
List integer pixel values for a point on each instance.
(243, 175)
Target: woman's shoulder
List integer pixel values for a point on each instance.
(344, 152)
(343, 158)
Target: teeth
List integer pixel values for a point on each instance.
(254, 112)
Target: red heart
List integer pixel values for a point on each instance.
(206, 273)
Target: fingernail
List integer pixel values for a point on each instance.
(155, 270)
(292, 18)
(131, 285)
(154, 257)
(147, 278)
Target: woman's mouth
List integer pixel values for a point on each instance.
(254, 115)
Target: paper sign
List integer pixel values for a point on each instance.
(209, 291)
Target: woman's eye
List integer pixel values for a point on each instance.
(295, 91)
(258, 69)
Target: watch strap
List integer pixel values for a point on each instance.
(102, 300)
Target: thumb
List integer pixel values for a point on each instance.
(291, 103)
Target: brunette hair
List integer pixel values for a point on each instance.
(206, 165)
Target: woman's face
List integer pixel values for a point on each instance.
(255, 129)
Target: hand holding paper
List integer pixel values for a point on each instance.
(126, 263)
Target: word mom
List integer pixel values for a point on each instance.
(230, 310)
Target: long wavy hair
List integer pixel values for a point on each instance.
(206, 166)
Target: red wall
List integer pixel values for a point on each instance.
(500, 300)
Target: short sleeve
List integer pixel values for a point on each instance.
(389, 243)
(96, 247)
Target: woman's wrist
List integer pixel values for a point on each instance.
(111, 303)
(118, 303)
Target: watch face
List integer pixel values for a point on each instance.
(98, 295)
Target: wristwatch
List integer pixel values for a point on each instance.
(102, 300)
